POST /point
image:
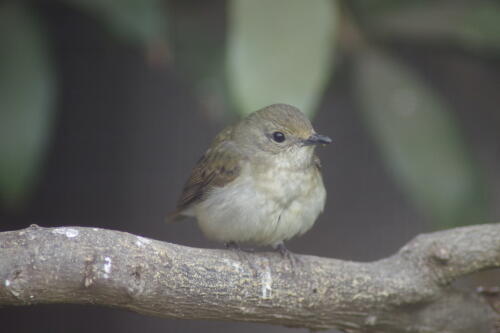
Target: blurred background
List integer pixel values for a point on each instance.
(105, 106)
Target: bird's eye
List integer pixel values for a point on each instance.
(278, 136)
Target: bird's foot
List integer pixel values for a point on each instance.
(287, 254)
(244, 255)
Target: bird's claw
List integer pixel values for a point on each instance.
(287, 254)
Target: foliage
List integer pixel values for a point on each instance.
(419, 139)
(27, 93)
(282, 53)
(276, 51)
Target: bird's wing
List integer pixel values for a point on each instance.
(219, 166)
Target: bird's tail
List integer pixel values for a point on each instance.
(175, 216)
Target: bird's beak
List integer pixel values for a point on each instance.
(317, 139)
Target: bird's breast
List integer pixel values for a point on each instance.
(284, 185)
(264, 206)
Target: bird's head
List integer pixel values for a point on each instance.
(279, 134)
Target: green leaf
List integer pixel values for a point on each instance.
(370, 7)
(419, 140)
(27, 92)
(280, 51)
(472, 25)
(480, 28)
(142, 22)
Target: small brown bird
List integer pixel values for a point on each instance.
(259, 182)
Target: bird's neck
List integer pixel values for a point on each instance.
(301, 159)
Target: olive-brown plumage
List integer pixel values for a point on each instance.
(260, 181)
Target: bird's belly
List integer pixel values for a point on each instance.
(262, 211)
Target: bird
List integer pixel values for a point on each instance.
(260, 181)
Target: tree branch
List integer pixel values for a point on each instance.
(407, 292)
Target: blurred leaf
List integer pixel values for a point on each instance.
(280, 51)
(199, 47)
(472, 25)
(481, 27)
(142, 22)
(419, 140)
(370, 7)
(27, 92)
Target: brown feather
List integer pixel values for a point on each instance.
(219, 166)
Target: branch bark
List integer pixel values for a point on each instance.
(407, 292)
